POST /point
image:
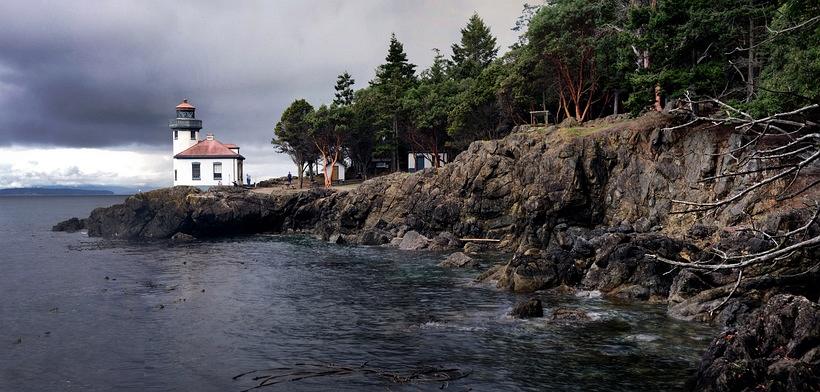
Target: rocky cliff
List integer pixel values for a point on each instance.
(584, 207)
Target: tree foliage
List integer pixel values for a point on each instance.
(344, 90)
(475, 51)
(291, 136)
(579, 59)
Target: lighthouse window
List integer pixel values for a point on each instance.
(176, 135)
(193, 135)
(217, 171)
(195, 171)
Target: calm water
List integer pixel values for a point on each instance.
(190, 317)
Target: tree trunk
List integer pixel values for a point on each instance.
(617, 101)
(301, 173)
(395, 143)
(658, 106)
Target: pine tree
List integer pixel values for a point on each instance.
(344, 92)
(393, 79)
(476, 51)
(396, 67)
(438, 70)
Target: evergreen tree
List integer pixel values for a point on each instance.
(437, 72)
(344, 92)
(396, 66)
(393, 79)
(476, 51)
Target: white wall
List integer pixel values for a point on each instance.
(428, 160)
(230, 172)
(339, 168)
(183, 141)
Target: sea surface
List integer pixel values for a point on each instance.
(84, 314)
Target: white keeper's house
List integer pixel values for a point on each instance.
(205, 162)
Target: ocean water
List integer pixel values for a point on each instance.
(85, 314)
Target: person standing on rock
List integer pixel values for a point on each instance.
(290, 179)
(248, 179)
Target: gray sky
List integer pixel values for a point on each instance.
(87, 87)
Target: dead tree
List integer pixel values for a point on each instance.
(781, 155)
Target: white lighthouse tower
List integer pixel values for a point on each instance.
(185, 127)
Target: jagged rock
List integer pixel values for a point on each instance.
(627, 271)
(776, 350)
(182, 237)
(528, 309)
(459, 260)
(413, 241)
(567, 314)
(71, 225)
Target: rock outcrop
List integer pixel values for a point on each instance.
(221, 211)
(71, 225)
(777, 350)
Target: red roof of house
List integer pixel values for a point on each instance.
(208, 148)
(184, 105)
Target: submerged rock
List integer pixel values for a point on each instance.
(459, 260)
(182, 237)
(528, 309)
(567, 314)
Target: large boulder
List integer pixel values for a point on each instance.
(412, 240)
(778, 349)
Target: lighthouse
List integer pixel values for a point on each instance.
(185, 127)
(201, 162)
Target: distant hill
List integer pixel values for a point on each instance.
(53, 192)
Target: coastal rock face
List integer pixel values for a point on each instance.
(528, 190)
(777, 350)
(221, 211)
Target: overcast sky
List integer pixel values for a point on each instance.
(87, 87)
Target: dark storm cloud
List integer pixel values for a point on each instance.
(96, 74)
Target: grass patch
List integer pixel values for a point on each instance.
(583, 131)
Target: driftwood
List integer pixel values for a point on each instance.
(302, 371)
(479, 240)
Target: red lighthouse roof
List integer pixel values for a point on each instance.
(208, 148)
(184, 105)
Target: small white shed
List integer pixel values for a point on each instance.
(423, 160)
